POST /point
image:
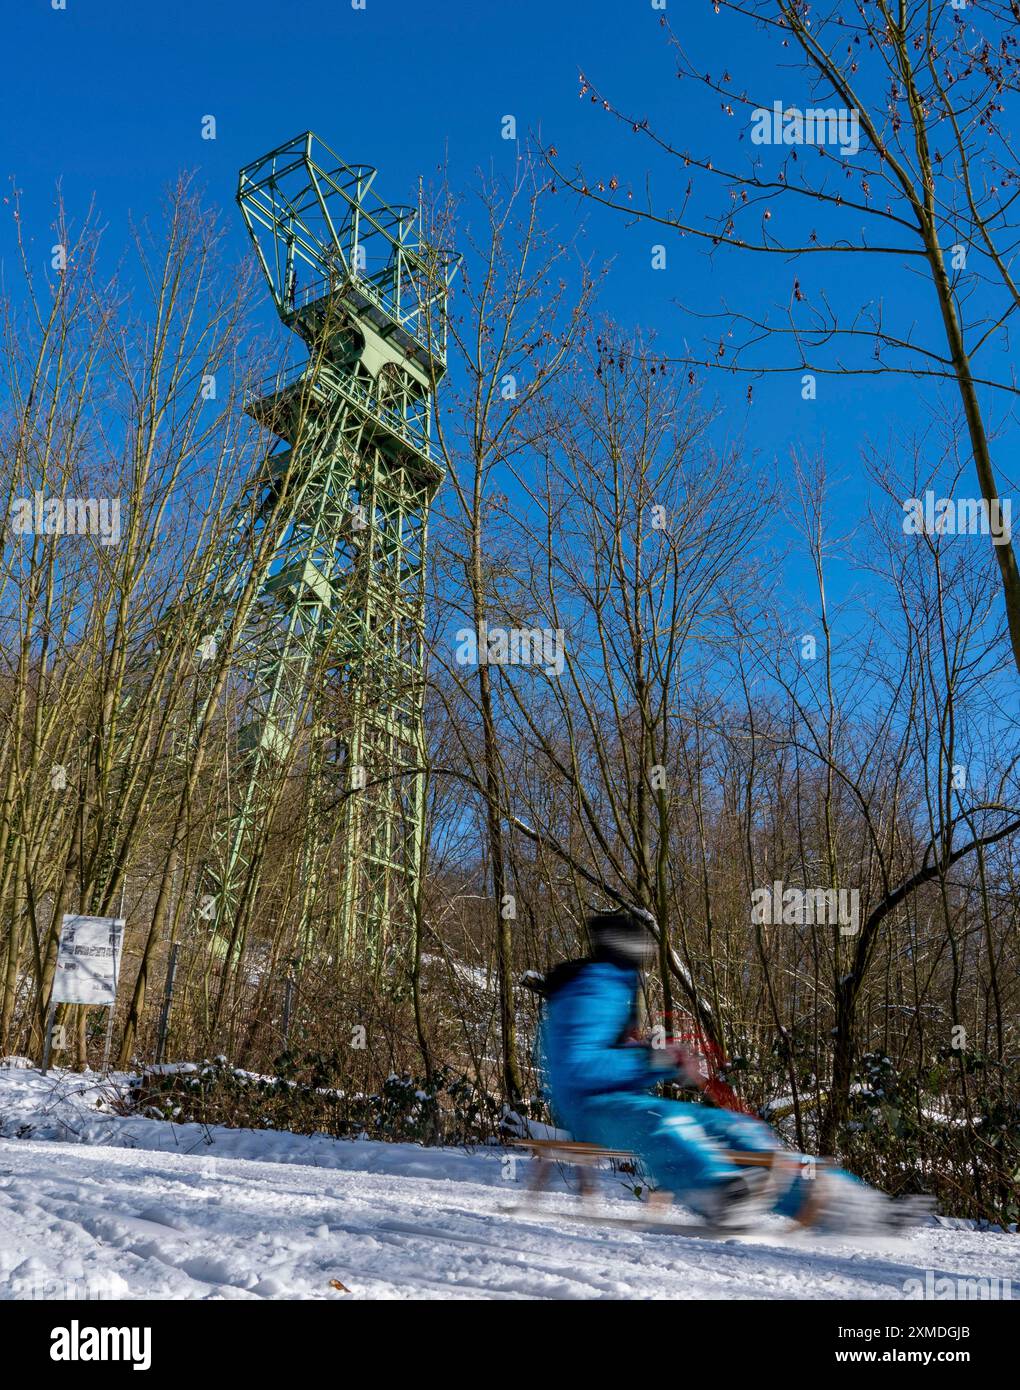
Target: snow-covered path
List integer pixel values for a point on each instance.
(143, 1225)
(94, 1219)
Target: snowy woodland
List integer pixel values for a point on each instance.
(737, 684)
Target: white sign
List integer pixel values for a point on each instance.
(88, 960)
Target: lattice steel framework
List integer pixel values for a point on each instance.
(341, 606)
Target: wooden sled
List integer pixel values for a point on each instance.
(582, 1157)
(585, 1157)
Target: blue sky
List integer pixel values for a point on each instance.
(108, 96)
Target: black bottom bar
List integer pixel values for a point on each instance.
(208, 1339)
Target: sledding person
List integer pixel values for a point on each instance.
(601, 1085)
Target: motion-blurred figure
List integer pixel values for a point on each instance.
(601, 1085)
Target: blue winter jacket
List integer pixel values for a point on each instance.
(584, 1054)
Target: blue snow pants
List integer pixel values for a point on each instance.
(684, 1146)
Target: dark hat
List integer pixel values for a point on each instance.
(622, 934)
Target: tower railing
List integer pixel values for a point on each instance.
(325, 286)
(322, 378)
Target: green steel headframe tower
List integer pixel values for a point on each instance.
(341, 606)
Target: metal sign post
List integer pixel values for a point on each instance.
(168, 994)
(288, 999)
(51, 1014)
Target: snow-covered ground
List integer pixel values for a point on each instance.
(95, 1204)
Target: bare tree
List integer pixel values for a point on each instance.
(904, 166)
(511, 343)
